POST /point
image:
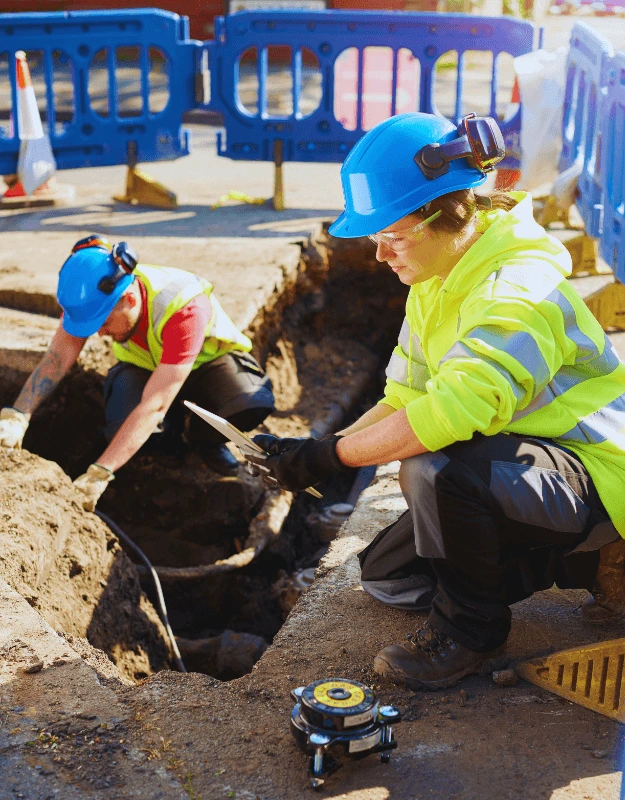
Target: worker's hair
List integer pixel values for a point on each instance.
(459, 208)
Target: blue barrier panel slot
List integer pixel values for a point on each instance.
(587, 70)
(112, 86)
(612, 169)
(364, 66)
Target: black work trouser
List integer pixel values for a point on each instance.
(490, 522)
(233, 386)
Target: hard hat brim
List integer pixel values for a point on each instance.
(83, 329)
(351, 225)
(87, 327)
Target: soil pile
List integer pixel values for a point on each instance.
(71, 569)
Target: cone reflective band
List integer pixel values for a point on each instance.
(28, 119)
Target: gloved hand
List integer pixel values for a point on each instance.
(92, 484)
(13, 426)
(299, 463)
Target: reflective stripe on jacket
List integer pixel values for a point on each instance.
(505, 344)
(168, 290)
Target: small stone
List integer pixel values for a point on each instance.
(312, 352)
(505, 677)
(586, 747)
(463, 697)
(600, 753)
(35, 665)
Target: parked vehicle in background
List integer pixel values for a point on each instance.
(596, 8)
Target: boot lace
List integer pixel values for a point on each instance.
(431, 642)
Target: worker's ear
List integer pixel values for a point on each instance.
(131, 298)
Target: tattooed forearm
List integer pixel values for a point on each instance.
(42, 382)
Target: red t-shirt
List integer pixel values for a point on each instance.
(183, 334)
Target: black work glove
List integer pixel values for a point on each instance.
(299, 463)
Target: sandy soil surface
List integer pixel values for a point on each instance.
(71, 569)
(476, 741)
(191, 736)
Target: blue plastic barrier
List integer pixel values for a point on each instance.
(588, 64)
(87, 65)
(251, 133)
(612, 169)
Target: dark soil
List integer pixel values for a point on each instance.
(325, 359)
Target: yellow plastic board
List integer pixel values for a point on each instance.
(591, 676)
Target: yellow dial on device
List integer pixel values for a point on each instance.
(339, 694)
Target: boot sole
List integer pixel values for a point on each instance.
(483, 668)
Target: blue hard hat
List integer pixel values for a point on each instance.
(381, 180)
(86, 306)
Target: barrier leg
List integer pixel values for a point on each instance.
(143, 190)
(551, 212)
(278, 186)
(583, 250)
(591, 676)
(608, 306)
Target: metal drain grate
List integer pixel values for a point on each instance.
(591, 676)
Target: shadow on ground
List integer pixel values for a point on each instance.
(117, 219)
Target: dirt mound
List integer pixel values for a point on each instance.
(70, 566)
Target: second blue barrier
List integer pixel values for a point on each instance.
(588, 65)
(612, 169)
(399, 45)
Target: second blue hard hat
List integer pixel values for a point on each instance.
(85, 306)
(381, 180)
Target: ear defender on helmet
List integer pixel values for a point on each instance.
(479, 141)
(124, 256)
(126, 259)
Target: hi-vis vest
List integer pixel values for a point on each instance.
(506, 344)
(168, 290)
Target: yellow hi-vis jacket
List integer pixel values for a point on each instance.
(505, 344)
(168, 290)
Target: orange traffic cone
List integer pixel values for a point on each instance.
(36, 164)
(507, 179)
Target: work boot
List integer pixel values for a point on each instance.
(430, 660)
(220, 459)
(606, 604)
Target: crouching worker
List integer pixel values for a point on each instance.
(173, 341)
(504, 403)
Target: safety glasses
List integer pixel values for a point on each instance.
(411, 236)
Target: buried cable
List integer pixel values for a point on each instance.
(157, 584)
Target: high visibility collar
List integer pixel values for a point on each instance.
(504, 234)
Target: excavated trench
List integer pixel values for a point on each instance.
(232, 561)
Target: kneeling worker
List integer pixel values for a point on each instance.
(504, 402)
(173, 341)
